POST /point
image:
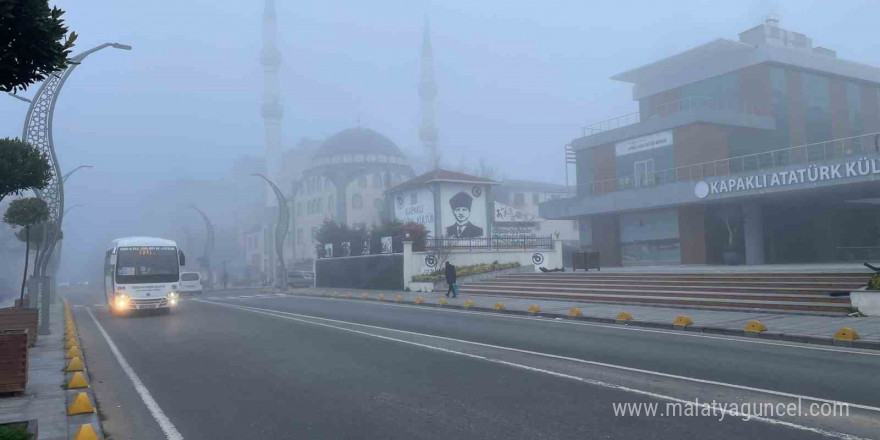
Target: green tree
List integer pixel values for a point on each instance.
(33, 43)
(22, 167)
(26, 213)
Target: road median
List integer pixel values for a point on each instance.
(806, 329)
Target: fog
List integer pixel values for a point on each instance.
(176, 121)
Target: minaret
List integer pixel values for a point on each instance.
(272, 111)
(427, 93)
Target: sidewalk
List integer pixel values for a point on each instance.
(780, 326)
(44, 398)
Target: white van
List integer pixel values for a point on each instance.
(191, 282)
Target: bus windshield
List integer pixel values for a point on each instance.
(147, 264)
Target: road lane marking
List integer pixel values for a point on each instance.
(834, 434)
(157, 413)
(282, 314)
(593, 324)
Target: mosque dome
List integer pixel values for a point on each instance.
(358, 141)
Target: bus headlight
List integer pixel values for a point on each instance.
(173, 298)
(121, 302)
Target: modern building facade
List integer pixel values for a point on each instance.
(762, 150)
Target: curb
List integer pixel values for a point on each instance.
(726, 331)
(81, 425)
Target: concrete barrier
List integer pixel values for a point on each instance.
(755, 327)
(682, 321)
(81, 405)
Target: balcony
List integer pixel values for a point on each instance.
(819, 152)
(667, 109)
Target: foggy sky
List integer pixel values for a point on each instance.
(516, 77)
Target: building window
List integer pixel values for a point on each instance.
(779, 104)
(357, 202)
(299, 235)
(377, 181)
(320, 205)
(299, 209)
(314, 233)
(330, 206)
(519, 199)
(854, 107)
(536, 198)
(362, 181)
(817, 100)
(413, 198)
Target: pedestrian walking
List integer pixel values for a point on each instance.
(451, 280)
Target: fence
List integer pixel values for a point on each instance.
(496, 242)
(809, 153)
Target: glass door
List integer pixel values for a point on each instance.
(644, 173)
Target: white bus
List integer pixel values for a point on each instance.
(142, 273)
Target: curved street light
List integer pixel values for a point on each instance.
(209, 245)
(280, 228)
(67, 174)
(37, 131)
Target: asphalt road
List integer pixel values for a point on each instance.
(282, 367)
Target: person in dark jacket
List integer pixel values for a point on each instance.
(450, 279)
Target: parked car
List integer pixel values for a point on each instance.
(300, 278)
(190, 282)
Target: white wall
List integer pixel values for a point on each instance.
(422, 211)
(415, 262)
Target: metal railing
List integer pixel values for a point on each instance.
(672, 107)
(856, 253)
(496, 242)
(809, 153)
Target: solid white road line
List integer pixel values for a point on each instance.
(743, 340)
(274, 313)
(160, 417)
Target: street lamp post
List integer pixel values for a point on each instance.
(37, 131)
(280, 228)
(209, 245)
(67, 174)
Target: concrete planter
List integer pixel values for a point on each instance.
(867, 302)
(20, 318)
(30, 426)
(13, 360)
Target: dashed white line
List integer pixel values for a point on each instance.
(157, 413)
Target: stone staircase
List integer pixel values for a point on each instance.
(783, 291)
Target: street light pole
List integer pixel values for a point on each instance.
(37, 131)
(280, 228)
(209, 245)
(67, 174)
